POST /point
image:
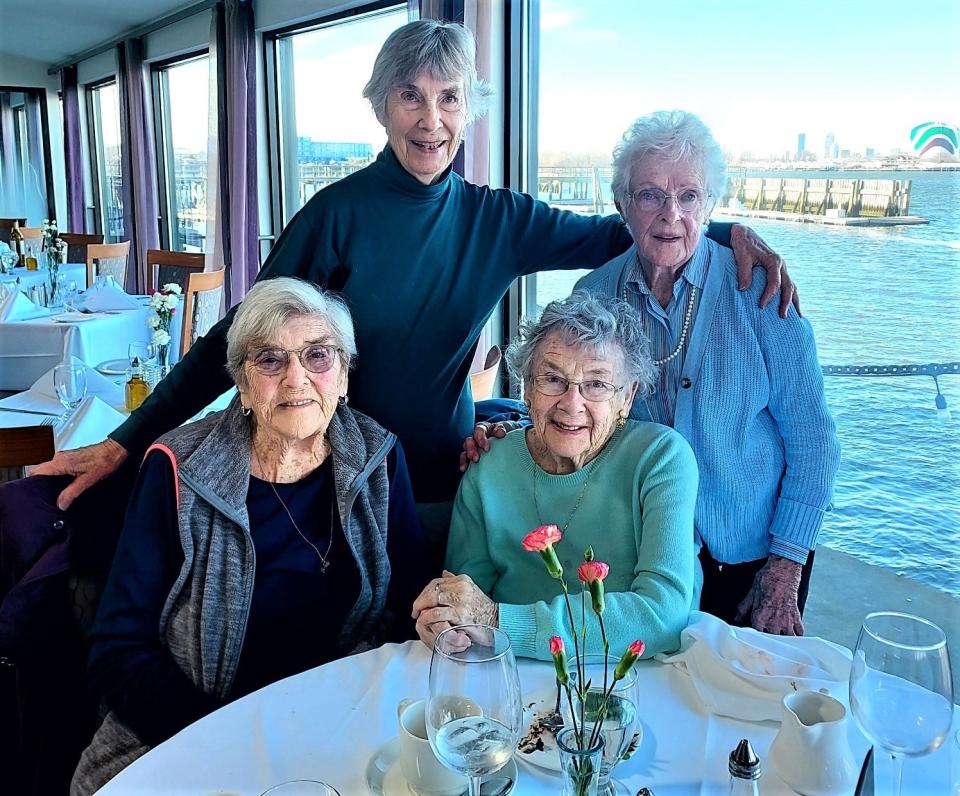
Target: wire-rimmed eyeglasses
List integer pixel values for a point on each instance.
(649, 200)
(592, 389)
(274, 361)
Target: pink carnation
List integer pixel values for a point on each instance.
(637, 648)
(541, 538)
(556, 645)
(589, 571)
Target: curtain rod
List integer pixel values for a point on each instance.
(134, 33)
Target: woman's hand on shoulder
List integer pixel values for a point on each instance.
(88, 465)
(452, 600)
(478, 443)
(749, 249)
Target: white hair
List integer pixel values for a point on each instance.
(675, 135)
(270, 304)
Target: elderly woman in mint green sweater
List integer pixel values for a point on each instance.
(627, 489)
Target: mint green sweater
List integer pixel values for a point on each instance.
(636, 511)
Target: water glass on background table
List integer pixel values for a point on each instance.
(474, 711)
(901, 687)
(70, 382)
(70, 296)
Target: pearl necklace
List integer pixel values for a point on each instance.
(687, 318)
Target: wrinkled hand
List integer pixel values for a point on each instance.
(749, 249)
(771, 602)
(452, 600)
(479, 442)
(89, 465)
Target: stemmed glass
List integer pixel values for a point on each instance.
(70, 383)
(474, 711)
(901, 687)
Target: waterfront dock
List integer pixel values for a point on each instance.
(810, 218)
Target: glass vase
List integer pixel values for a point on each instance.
(580, 768)
(620, 726)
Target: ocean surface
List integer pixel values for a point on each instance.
(883, 296)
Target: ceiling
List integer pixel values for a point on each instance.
(53, 30)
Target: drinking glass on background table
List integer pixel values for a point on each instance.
(70, 383)
(901, 687)
(71, 296)
(474, 711)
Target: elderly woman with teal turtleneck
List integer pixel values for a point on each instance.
(624, 488)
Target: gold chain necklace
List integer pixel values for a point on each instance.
(687, 318)
(583, 490)
(324, 560)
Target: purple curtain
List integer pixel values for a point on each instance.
(73, 155)
(137, 163)
(237, 223)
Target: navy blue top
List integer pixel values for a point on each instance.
(296, 612)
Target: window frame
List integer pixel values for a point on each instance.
(281, 186)
(163, 142)
(95, 146)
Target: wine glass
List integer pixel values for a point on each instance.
(901, 687)
(71, 296)
(474, 712)
(70, 383)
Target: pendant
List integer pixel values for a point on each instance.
(324, 565)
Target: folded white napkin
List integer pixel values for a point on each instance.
(90, 424)
(14, 306)
(107, 297)
(42, 395)
(742, 673)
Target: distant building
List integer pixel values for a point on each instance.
(801, 145)
(829, 146)
(871, 152)
(844, 153)
(331, 151)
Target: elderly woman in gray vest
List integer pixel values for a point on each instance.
(260, 541)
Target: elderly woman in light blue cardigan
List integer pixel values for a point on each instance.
(741, 385)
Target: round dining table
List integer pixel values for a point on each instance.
(338, 722)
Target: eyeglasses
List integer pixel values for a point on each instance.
(591, 390)
(314, 358)
(649, 200)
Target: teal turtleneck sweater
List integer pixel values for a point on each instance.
(421, 267)
(636, 502)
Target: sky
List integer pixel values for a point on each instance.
(758, 73)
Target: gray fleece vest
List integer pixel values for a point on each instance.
(204, 618)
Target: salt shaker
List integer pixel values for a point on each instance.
(744, 767)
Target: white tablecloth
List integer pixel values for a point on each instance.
(28, 349)
(329, 722)
(76, 272)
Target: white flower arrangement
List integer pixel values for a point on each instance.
(164, 303)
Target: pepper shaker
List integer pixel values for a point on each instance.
(744, 767)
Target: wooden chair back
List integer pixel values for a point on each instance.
(108, 258)
(202, 302)
(483, 381)
(169, 266)
(21, 447)
(31, 234)
(77, 245)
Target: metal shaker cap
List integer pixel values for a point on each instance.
(744, 763)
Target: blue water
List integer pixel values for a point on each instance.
(884, 296)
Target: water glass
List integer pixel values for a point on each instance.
(145, 352)
(71, 296)
(301, 787)
(620, 723)
(8, 259)
(901, 687)
(70, 383)
(474, 710)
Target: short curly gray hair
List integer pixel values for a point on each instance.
(676, 135)
(444, 50)
(270, 304)
(584, 318)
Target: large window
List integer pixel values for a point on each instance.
(181, 97)
(326, 129)
(791, 92)
(103, 107)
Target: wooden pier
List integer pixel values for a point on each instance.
(838, 202)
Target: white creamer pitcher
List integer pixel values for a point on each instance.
(811, 753)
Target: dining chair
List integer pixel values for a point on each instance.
(6, 224)
(21, 447)
(483, 381)
(77, 245)
(170, 266)
(109, 259)
(202, 302)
